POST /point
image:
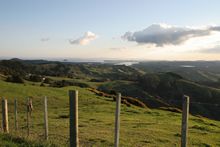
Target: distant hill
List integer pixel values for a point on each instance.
(203, 72)
(166, 89)
(157, 84)
(65, 69)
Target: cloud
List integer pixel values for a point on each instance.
(117, 48)
(45, 39)
(163, 34)
(215, 28)
(214, 50)
(85, 39)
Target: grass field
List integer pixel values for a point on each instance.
(139, 126)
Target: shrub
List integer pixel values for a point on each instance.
(42, 85)
(65, 83)
(15, 79)
(35, 78)
(48, 80)
(98, 80)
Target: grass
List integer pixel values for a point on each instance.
(86, 81)
(139, 126)
(8, 140)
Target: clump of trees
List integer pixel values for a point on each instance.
(15, 79)
(99, 80)
(149, 82)
(34, 78)
(47, 81)
(159, 83)
(64, 83)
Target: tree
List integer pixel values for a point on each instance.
(15, 79)
(149, 82)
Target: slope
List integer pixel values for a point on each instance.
(139, 127)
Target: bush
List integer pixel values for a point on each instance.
(98, 80)
(35, 78)
(48, 80)
(15, 79)
(65, 83)
(42, 85)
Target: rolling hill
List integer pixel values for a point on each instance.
(155, 83)
(139, 126)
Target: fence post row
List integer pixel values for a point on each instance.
(73, 112)
(5, 116)
(184, 133)
(117, 119)
(15, 114)
(73, 102)
(45, 118)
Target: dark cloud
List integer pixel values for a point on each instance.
(215, 28)
(162, 34)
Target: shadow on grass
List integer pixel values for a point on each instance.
(22, 142)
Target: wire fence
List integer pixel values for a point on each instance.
(55, 137)
(36, 124)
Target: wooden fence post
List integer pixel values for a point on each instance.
(28, 117)
(45, 118)
(73, 102)
(117, 119)
(184, 133)
(5, 116)
(15, 114)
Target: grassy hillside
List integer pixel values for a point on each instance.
(139, 126)
(197, 71)
(166, 90)
(133, 89)
(159, 86)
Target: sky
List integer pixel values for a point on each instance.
(110, 29)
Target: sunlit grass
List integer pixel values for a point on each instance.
(139, 126)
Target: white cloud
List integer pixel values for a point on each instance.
(163, 34)
(85, 39)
